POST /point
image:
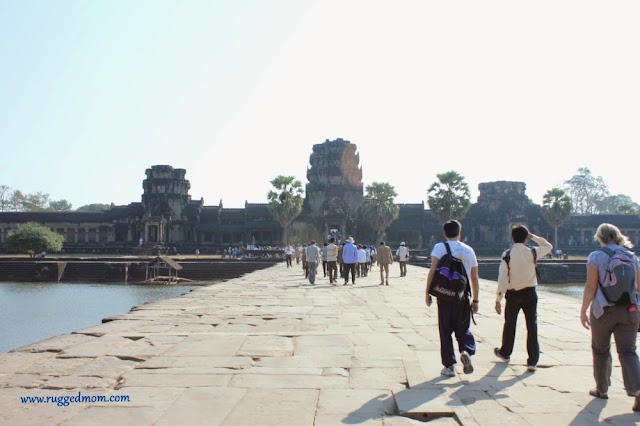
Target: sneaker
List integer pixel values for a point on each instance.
(466, 362)
(532, 368)
(496, 351)
(448, 371)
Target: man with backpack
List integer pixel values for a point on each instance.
(517, 281)
(454, 314)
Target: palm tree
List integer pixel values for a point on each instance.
(285, 204)
(449, 197)
(556, 209)
(379, 208)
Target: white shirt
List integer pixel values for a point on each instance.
(459, 250)
(403, 253)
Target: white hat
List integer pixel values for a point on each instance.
(350, 240)
(402, 243)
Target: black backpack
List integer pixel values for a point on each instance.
(450, 282)
(507, 259)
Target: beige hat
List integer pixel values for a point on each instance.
(350, 240)
(402, 243)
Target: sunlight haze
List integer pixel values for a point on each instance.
(238, 92)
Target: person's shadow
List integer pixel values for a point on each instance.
(590, 414)
(386, 405)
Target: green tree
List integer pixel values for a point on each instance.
(617, 204)
(35, 202)
(379, 208)
(32, 238)
(16, 201)
(586, 191)
(556, 209)
(285, 203)
(60, 206)
(93, 208)
(449, 197)
(5, 198)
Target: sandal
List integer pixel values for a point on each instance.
(598, 394)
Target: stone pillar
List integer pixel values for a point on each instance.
(146, 232)
(86, 235)
(75, 234)
(98, 234)
(129, 233)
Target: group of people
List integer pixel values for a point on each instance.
(347, 260)
(602, 313)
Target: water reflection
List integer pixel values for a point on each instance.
(30, 312)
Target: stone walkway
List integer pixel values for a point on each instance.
(270, 349)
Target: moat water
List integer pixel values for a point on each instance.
(30, 312)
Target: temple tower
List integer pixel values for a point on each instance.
(335, 189)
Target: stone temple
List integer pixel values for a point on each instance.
(167, 216)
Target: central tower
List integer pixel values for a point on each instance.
(335, 191)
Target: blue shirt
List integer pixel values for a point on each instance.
(349, 253)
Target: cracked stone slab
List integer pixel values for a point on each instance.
(378, 378)
(288, 382)
(17, 361)
(202, 406)
(56, 344)
(56, 366)
(207, 345)
(274, 407)
(354, 406)
(267, 346)
(138, 379)
(97, 347)
(234, 362)
(107, 367)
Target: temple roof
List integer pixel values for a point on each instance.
(60, 217)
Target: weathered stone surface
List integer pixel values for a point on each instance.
(56, 344)
(267, 346)
(99, 346)
(291, 354)
(202, 406)
(274, 407)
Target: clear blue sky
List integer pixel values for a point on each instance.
(92, 93)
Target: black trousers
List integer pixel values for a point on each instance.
(527, 300)
(454, 318)
(349, 267)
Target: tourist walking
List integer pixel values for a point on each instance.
(517, 281)
(332, 261)
(288, 253)
(340, 260)
(305, 270)
(362, 261)
(455, 317)
(384, 257)
(373, 257)
(313, 257)
(350, 260)
(403, 258)
(323, 254)
(297, 253)
(614, 310)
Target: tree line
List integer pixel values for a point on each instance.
(14, 200)
(450, 198)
